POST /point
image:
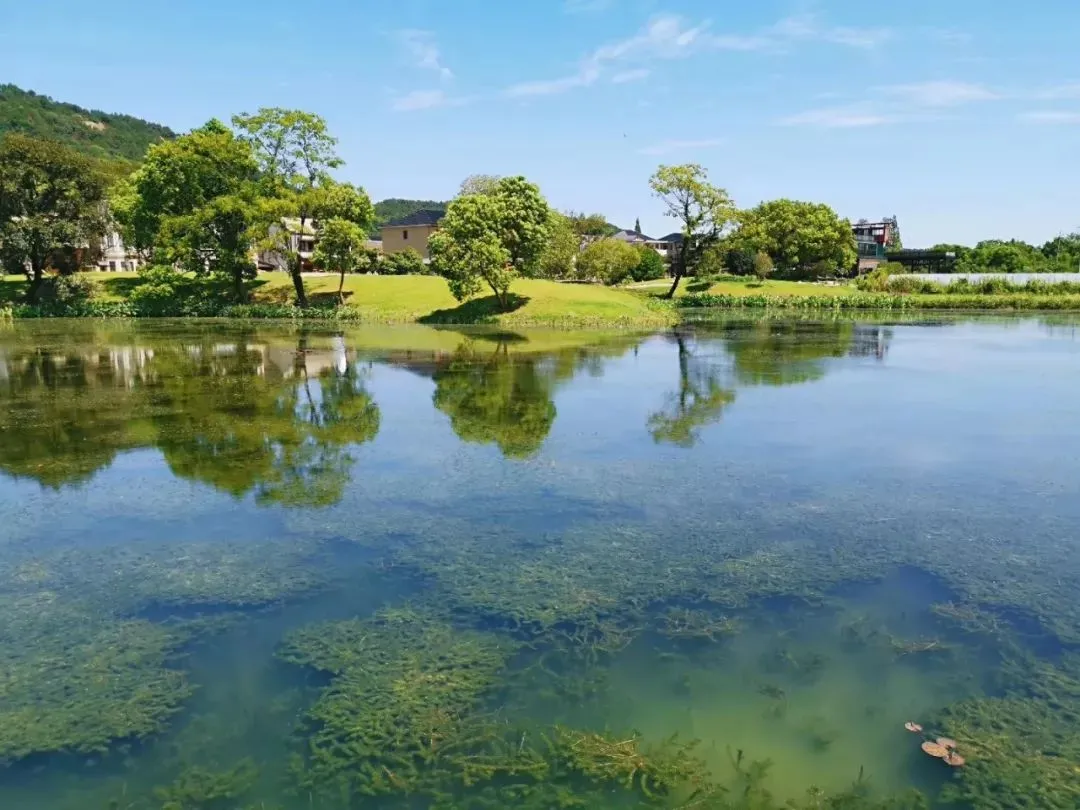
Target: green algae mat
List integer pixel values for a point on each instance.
(745, 564)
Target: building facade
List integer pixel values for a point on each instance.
(873, 240)
(115, 256)
(412, 231)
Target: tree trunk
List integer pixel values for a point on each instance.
(33, 292)
(680, 269)
(238, 286)
(341, 287)
(295, 266)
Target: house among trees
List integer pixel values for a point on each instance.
(412, 231)
(662, 246)
(874, 239)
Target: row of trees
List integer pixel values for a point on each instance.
(500, 228)
(1059, 255)
(207, 202)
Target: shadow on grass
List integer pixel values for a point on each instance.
(120, 287)
(699, 285)
(478, 310)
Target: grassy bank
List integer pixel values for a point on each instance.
(374, 299)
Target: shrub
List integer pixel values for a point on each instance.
(763, 266)
(67, 290)
(607, 260)
(158, 292)
(406, 263)
(913, 284)
(651, 266)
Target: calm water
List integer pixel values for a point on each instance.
(260, 567)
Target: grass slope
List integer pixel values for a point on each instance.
(427, 300)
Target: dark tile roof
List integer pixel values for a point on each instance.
(630, 235)
(675, 238)
(425, 216)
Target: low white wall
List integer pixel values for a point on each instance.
(1015, 278)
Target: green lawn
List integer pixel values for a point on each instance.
(743, 285)
(426, 299)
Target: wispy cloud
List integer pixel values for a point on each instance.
(424, 50)
(1051, 117)
(635, 75)
(1069, 90)
(426, 100)
(667, 147)
(669, 36)
(665, 37)
(941, 93)
(800, 27)
(839, 118)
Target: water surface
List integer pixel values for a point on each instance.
(273, 567)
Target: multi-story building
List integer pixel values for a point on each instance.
(873, 240)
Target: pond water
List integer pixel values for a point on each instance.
(718, 567)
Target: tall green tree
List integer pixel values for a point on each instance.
(340, 249)
(193, 202)
(804, 240)
(296, 153)
(492, 238)
(703, 211)
(52, 206)
(557, 260)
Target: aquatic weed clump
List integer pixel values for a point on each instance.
(1022, 750)
(405, 684)
(71, 683)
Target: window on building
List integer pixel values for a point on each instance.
(404, 234)
(112, 266)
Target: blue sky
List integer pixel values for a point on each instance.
(960, 117)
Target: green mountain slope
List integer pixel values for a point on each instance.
(101, 135)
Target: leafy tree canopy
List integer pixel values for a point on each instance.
(608, 260)
(52, 205)
(491, 238)
(804, 240)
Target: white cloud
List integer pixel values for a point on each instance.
(631, 76)
(1051, 117)
(839, 118)
(426, 100)
(1062, 91)
(941, 93)
(667, 147)
(424, 50)
(669, 36)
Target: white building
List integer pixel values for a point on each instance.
(115, 255)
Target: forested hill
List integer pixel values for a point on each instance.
(389, 210)
(101, 135)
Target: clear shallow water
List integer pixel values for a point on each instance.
(782, 539)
